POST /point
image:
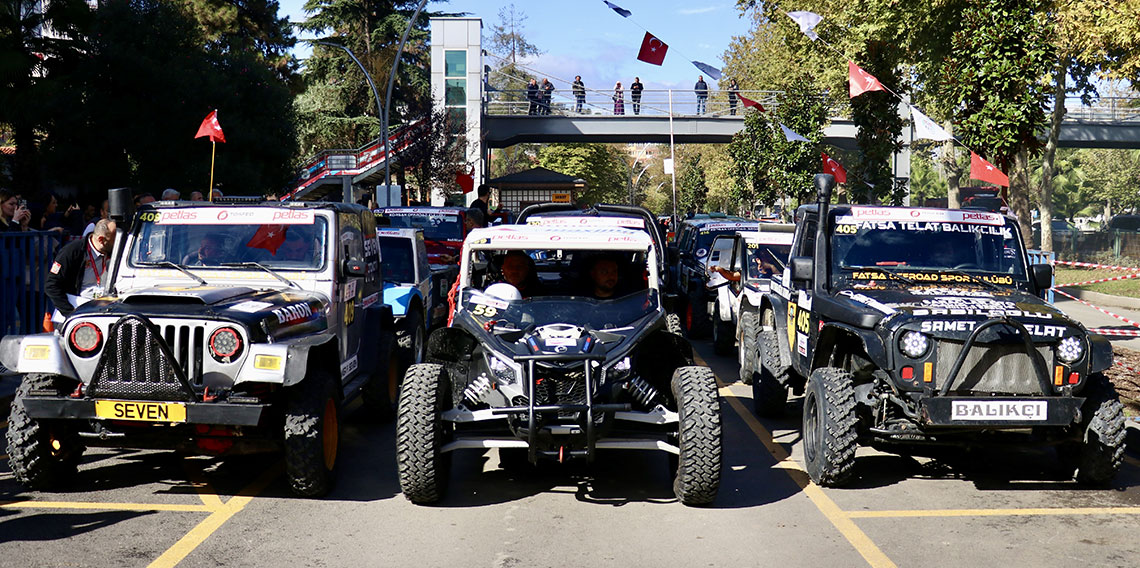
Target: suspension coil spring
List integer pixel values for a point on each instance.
(642, 392)
(478, 388)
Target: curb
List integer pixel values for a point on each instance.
(1105, 299)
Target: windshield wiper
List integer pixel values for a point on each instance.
(973, 278)
(271, 272)
(178, 267)
(886, 271)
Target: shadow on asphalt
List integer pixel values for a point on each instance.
(58, 526)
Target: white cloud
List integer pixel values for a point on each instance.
(693, 11)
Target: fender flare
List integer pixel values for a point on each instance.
(297, 363)
(780, 315)
(1100, 353)
(831, 332)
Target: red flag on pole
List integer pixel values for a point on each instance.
(211, 128)
(747, 102)
(268, 237)
(466, 181)
(860, 81)
(985, 171)
(830, 166)
(652, 50)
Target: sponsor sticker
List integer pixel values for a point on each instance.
(937, 215)
(485, 301)
(369, 300)
(235, 216)
(561, 341)
(999, 410)
(801, 344)
(576, 221)
(293, 313)
(250, 306)
(755, 226)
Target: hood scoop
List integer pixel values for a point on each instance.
(205, 295)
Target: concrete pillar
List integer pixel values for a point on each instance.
(457, 87)
(901, 161)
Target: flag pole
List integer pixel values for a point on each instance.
(672, 157)
(213, 149)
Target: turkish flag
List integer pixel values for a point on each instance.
(652, 50)
(210, 127)
(985, 171)
(268, 237)
(747, 102)
(860, 81)
(830, 166)
(466, 181)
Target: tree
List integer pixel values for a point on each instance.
(1115, 174)
(433, 153)
(251, 26)
(600, 165)
(877, 117)
(691, 188)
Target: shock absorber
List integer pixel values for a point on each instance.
(478, 388)
(642, 392)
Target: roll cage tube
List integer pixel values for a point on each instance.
(824, 183)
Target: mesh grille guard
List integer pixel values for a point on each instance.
(137, 365)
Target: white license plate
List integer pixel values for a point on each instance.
(997, 410)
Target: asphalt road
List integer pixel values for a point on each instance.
(987, 508)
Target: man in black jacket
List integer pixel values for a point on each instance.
(635, 94)
(701, 88)
(533, 96)
(80, 268)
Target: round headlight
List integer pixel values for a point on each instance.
(86, 339)
(914, 344)
(1070, 349)
(225, 343)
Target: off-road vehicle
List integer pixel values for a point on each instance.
(416, 290)
(692, 284)
(926, 326)
(225, 328)
(559, 374)
(444, 228)
(749, 260)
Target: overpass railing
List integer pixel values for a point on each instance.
(25, 258)
(654, 102)
(348, 161)
(1111, 110)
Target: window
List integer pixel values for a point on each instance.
(457, 120)
(455, 63)
(455, 92)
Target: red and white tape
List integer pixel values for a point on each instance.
(1093, 265)
(1113, 279)
(1115, 332)
(1099, 309)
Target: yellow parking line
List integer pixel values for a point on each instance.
(838, 518)
(1028, 512)
(103, 506)
(202, 488)
(200, 533)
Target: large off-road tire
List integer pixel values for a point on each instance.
(673, 325)
(697, 321)
(698, 437)
(411, 338)
(829, 427)
(312, 433)
(769, 393)
(421, 432)
(382, 391)
(749, 351)
(1100, 454)
(41, 454)
(724, 335)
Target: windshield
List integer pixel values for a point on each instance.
(576, 310)
(231, 235)
(993, 204)
(397, 257)
(903, 246)
(436, 226)
(766, 261)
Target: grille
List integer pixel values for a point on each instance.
(995, 368)
(187, 344)
(137, 364)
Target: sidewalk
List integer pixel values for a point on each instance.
(1093, 318)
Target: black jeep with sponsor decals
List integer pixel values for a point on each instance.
(225, 328)
(559, 348)
(912, 327)
(690, 259)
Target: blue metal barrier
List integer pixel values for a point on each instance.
(1044, 257)
(25, 258)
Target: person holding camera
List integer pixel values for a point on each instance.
(14, 212)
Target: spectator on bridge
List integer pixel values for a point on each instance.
(532, 97)
(733, 92)
(196, 196)
(635, 94)
(579, 94)
(79, 268)
(14, 213)
(702, 91)
(619, 100)
(547, 93)
(171, 194)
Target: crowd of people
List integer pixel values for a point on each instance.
(70, 217)
(540, 95)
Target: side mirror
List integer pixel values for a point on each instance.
(120, 205)
(802, 267)
(353, 267)
(1042, 276)
(674, 254)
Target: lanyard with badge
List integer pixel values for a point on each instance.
(96, 290)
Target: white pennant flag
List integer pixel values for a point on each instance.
(926, 128)
(807, 22)
(791, 135)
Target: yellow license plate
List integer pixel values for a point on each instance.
(141, 411)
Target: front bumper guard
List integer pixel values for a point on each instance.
(212, 413)
(1039, 367)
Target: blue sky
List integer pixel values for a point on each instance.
(584, 37)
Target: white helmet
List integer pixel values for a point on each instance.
(503, 291)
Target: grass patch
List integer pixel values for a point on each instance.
(1129, 288)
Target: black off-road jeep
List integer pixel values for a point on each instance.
(226, 327)
(550, 370)
(926, 326)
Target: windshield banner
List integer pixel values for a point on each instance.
(850, 226)
(575, 221)
(754, 226)
(229, 216)
(770, 239)
(417, 212)
(859, 214)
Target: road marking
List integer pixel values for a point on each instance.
(202, 487)
(838, 518)
(217, 518)
(103, 506)
(1028, 512)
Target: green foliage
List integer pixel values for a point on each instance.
(250, 26)
(509, 44)
(876, 115)
(925, 180)
(1114, 176)
(691, 188)
(602, 167)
